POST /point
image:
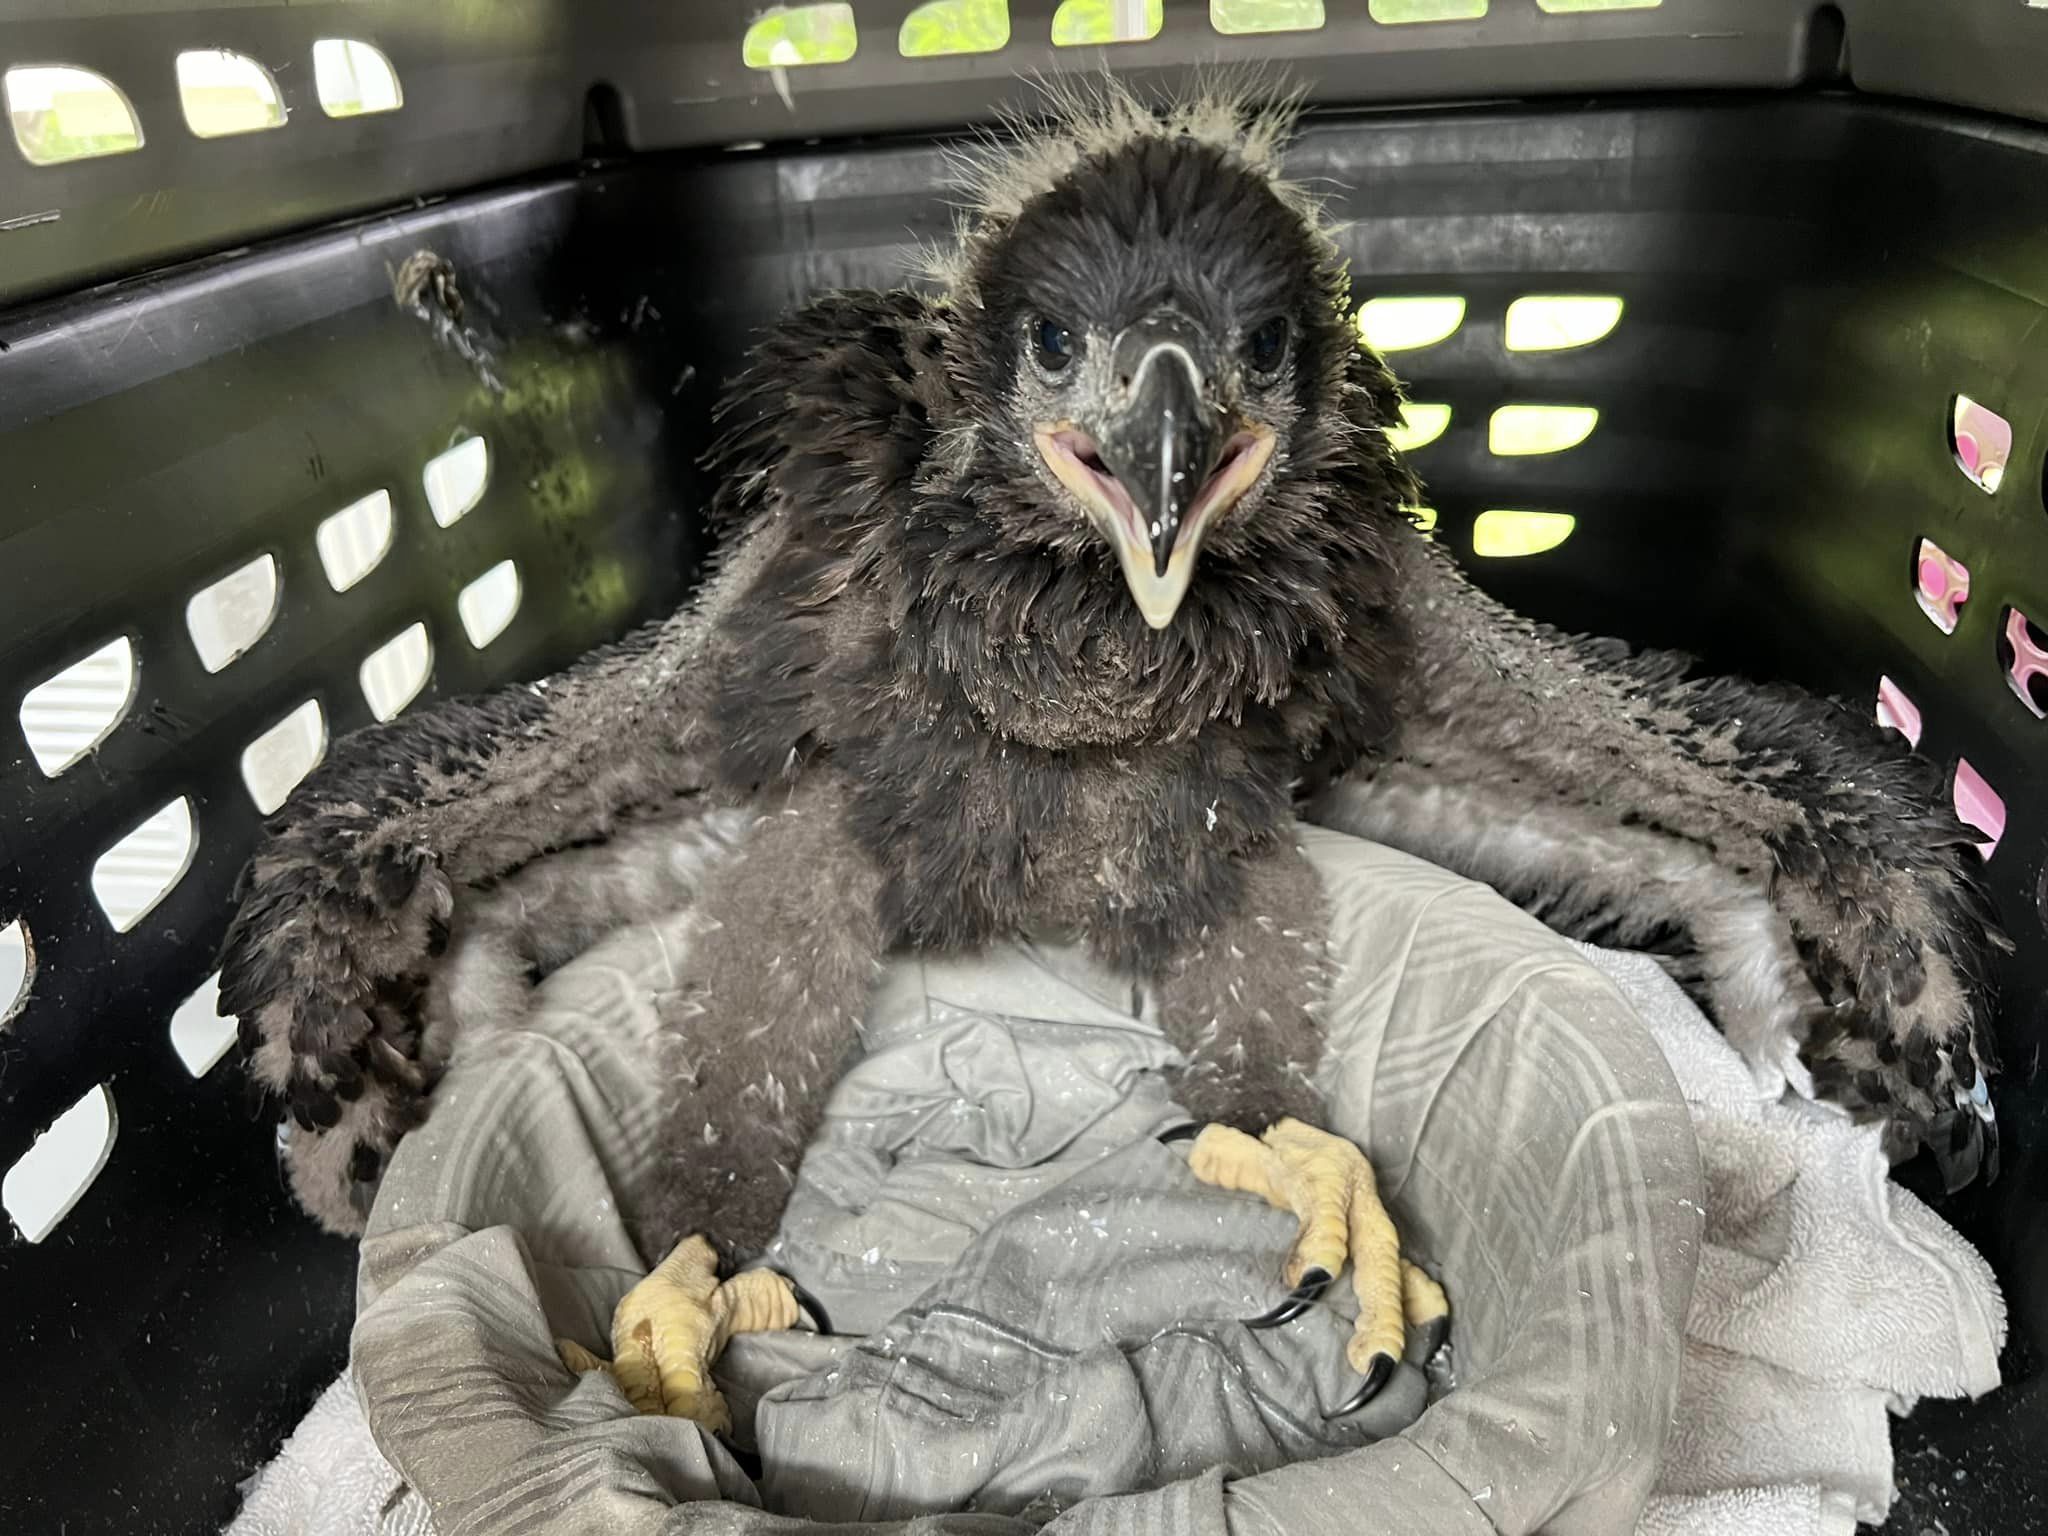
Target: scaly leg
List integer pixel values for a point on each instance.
(785, 951)
(1329, 1186)
(670, 1329)
(1240, 1001)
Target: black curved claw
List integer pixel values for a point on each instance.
(810, 1304)
(1381, 1373)
(1432, 1337)
(1187, 1132)
(1305, 1295)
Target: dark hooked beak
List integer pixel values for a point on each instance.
(1162, 463)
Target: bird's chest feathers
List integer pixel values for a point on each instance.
(1059, 694)
(979, 837)
(1031, 694)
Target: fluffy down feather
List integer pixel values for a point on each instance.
(919, 679)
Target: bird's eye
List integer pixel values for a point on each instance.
(1267, 346)
(1055, 345)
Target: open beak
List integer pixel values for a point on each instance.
(1163, 463)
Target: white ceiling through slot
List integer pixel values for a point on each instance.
(74, 711)
(51, 1177)
(135, 874)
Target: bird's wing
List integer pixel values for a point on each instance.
(827, 435)
(348, 903)
(1829, 912)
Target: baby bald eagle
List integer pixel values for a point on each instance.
(1047, 604)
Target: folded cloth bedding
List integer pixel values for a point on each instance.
(329, 1479)
(1825, 1294)
(1037, 1298)
(1085, 1344)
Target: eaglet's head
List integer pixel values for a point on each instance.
(1153, 329)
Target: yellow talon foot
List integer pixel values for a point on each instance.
(579, 1359)
(670, 1329)
(1329, 1186)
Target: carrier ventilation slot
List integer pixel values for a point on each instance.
(1981, 441)
(941, 27)
(1941, 585)
(275, 762)
(354, 541)
(1519, 430)
(487, 604)
(40, 1190)
(1083, 23)
(1503, 534)
(1896, 712)
(1420, 426)
(2023, 651)
(1401, 11)
(1404, 324)
(787, 37)
(73, 712)
(393, 674)
(59, 112)
(135, 874)
(794, 36)
(1424, 519)
(199, 1034)
(455, 480)
(225, 93)
(225, 619)
(1978, 806)
(1239, 17)
(354, 79)
(17, 968)
(1558, 322)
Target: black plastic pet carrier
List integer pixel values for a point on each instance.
(357, 353)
